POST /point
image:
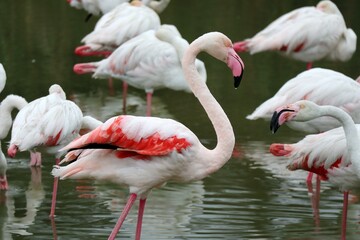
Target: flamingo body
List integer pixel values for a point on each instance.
(116, 27)
(146, 62)
(307, 34)
(146, 152)
(322, 86)
(50, 120)
(95, 7)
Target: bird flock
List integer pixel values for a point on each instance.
(145, 152)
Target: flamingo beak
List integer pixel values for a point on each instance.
(274, 123)
(235, 63)
(237, 79)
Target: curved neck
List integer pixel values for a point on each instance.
(159, 6)
(13, 101)
(216, 158)
(351, 133)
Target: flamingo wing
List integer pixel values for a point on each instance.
(121, 24)
(141, 135)
(140, 59)
(46, 121)
(298, 30)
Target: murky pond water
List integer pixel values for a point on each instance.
(252, 197)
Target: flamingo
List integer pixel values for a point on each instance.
(333, 155)
(6, 107)
(146, 152)
(149, 61)
(116, 27)
(307, 34)
(319, 85)
(50, 120)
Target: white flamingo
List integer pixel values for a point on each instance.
(149, 61)
(119, 25)
(10, 103)
(146, 152)
(51, 121)
(322, 86)
(333, 155)
(307, 34)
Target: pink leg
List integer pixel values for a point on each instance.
(35, 159)
(148, 103)
(125, 89)
(140, 217)
(123, 215)
(344, 215)
(54, 193)
(309, 178)
(309, 65)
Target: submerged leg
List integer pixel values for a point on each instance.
(140, 217)
(125, 89)
(123, 215)
(344, 215)
(54, 193)
(148, 103)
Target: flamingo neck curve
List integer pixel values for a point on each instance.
(212, 159)
(351, 133)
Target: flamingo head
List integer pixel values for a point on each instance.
(300, 111)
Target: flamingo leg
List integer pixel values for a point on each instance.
(4, 183)
(54, 193)
(123, 215)
(35, 159)
(344, 215)
(309, 178)
(309, 65)
(111, 86)
(125, 89)
(148, 103)
(140, 218)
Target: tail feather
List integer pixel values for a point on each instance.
(280, 149)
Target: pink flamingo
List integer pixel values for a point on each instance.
(149, 61)
(146, 152)
(307, 34)
(51, 121)
(322, 86)
(333, 155)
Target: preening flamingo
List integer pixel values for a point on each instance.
(10, 103)
(149, 61)
(116, 27)
(319, 85)
(307, 34)
(146, 152)
(51, 121)
(333, 155)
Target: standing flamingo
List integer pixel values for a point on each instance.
(149, 61)
(319, 85)
(333, 155)
(146, 152)
(307, 34)
(116, 27)
(6, 107)
(51, 121)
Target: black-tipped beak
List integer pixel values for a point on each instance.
(237, 79)
(274, 123)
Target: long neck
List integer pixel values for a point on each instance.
(216, 158)
(351, 133)
(13, 101)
